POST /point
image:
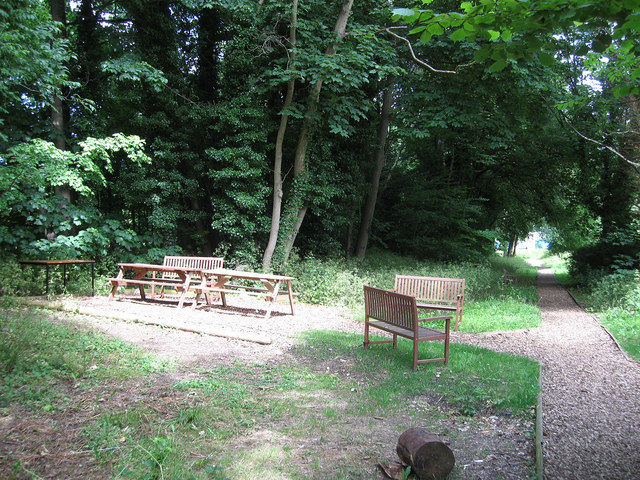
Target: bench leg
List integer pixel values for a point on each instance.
(366, 335)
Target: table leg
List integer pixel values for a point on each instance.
(274, 295)
(64, 277)
(290, 292)
(93, 281)
(185, 288)
(47, 278)
(116, 284)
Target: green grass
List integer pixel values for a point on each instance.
(476, 379)
(499, 314)
(624, 325)
(36, 355)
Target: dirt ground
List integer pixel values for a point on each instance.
(486, 446)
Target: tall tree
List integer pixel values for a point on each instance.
(379, 161)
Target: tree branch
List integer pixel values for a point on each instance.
(588, 139)
(390, 31)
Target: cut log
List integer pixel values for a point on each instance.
(427, 455)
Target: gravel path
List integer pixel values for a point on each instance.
(591, 413)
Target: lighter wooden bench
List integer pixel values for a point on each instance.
(398, 314)
(434, 293)
(195, 263)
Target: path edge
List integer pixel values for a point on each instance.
(539, 433)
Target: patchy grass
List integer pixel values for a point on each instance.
(36, 355)
(315, 416)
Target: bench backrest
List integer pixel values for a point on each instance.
(203, 263)
(199, 263)
(431, 289)
(391, 307)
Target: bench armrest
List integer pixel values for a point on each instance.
(429, 319)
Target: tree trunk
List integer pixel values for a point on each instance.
(296, 228)
(205, 245)
(58, 14)
(380, 159)
(299, 165)
(428, 457)
(208, 53)
(276, 209)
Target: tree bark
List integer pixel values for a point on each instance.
(380, 160)
(428, 457)
(276, 209)
(58, 14)
(299, 165)
(208, 53)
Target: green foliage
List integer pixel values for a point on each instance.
(30, 208)
(33, 55)
(129, 68)
(516, 30)
(619, 253)
(489, 303)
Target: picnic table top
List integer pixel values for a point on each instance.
(224, 272)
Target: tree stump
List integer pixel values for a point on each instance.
(428, 457)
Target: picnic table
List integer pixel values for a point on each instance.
(218, 281)
(64, 263)
(140, 279)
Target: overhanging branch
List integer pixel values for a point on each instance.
(390, 31)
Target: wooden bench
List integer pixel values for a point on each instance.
(140, 278)
(195, 263)
(434, 293)
(509, 277)
(398, 314)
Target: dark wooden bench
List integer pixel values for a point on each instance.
(434, 293)
(397, 314)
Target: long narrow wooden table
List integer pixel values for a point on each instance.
(64, 263)
(140, 280)
(217, 281)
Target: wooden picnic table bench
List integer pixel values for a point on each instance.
(196, 263)
(141, 280)
(217, 281)
(434, 293)
(398, 314)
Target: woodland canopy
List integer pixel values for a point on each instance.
(254, 129)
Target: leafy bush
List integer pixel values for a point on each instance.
(339, 282)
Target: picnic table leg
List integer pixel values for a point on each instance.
(185, 289)
(116, 284)
(274, 294)
(220, 284)
(290, 292)
(47, 279)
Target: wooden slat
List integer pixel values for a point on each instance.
(432, 292)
